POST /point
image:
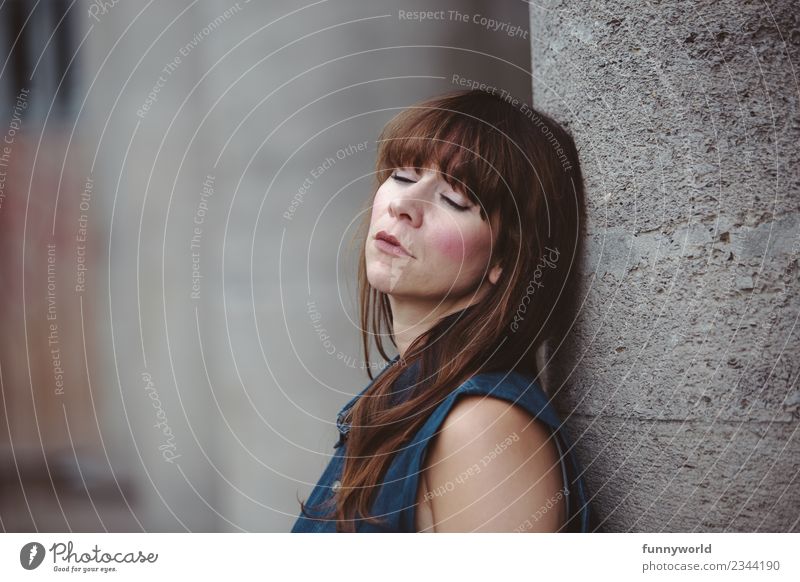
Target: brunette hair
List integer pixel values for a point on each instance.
(522, 167)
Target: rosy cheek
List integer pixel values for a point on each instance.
(469, 245)
(450, 245)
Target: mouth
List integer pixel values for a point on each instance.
(390, 245)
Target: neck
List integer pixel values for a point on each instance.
(412, 318)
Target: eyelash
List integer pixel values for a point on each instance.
(445, 198)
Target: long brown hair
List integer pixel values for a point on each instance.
(521, 167)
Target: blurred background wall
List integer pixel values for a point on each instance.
(177, 200)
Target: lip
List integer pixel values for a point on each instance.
(390, 245)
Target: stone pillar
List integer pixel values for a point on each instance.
(683, 384)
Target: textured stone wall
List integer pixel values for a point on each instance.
(682, 389)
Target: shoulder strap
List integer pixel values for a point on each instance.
(509, 386)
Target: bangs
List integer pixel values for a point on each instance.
(462, 146)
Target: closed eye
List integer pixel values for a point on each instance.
(450, 202)
(453, 204)
(402, 179)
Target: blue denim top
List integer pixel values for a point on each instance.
(395, 501)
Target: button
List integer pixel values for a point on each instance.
(336, 486)
(344, 427)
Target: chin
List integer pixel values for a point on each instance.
(387, 277)
(381, 282)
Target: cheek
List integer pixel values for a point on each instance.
(450, 245)
(379, 204)
(460, 246)
(375, 214)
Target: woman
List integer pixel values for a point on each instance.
(470, 253)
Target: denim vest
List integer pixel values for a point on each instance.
(396, 499)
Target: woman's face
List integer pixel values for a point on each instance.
(427, 242)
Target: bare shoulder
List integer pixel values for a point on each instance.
(491, 467)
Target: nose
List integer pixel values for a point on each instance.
(408, 204)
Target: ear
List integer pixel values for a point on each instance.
(494, 274)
